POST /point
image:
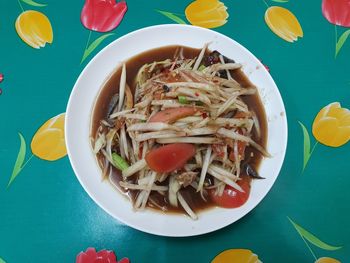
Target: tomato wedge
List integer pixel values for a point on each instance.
(172, 114)
(170, 157)
(232, 198)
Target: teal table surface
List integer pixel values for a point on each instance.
(46, 216)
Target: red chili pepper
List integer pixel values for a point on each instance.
(196, 94)
(103, 15)
(218, 149)
(337, 12)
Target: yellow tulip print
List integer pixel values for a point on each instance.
(236, 256)
(34, 28)
(48, 142)
(331, 126)
(283, 23)
(327, 260)
(203, 13)
(207, 13)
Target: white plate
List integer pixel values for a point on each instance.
(78, 118)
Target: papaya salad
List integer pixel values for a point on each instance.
(180, 130)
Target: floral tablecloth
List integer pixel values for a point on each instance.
(46, 216)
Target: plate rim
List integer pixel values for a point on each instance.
(95, 198)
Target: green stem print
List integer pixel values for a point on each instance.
(276, 1)
(90, 48)
(312, 239)
(307, 147)
(20, 5)
(19, 164)
(267, 5)
(29, 2)
(309, 248)
(172, 16)
(33, 3)
(336, 37)
(341, 41)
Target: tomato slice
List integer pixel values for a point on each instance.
(232, 198)
(172, 114)
(170, 157)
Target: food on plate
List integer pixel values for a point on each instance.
(179, 130)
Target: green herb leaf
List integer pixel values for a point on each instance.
(341, 41)
(307, 153)
(2, 261)
(119, 162)
(172, 17)
(20, 159)
(94, 45)
(313, 239)
(182, 99)
(280, 1)
(201, 68)
(32, 3)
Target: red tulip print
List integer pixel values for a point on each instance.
(103, 15)
(103, 256)
(337, 12)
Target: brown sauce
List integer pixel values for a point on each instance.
(111, 87)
